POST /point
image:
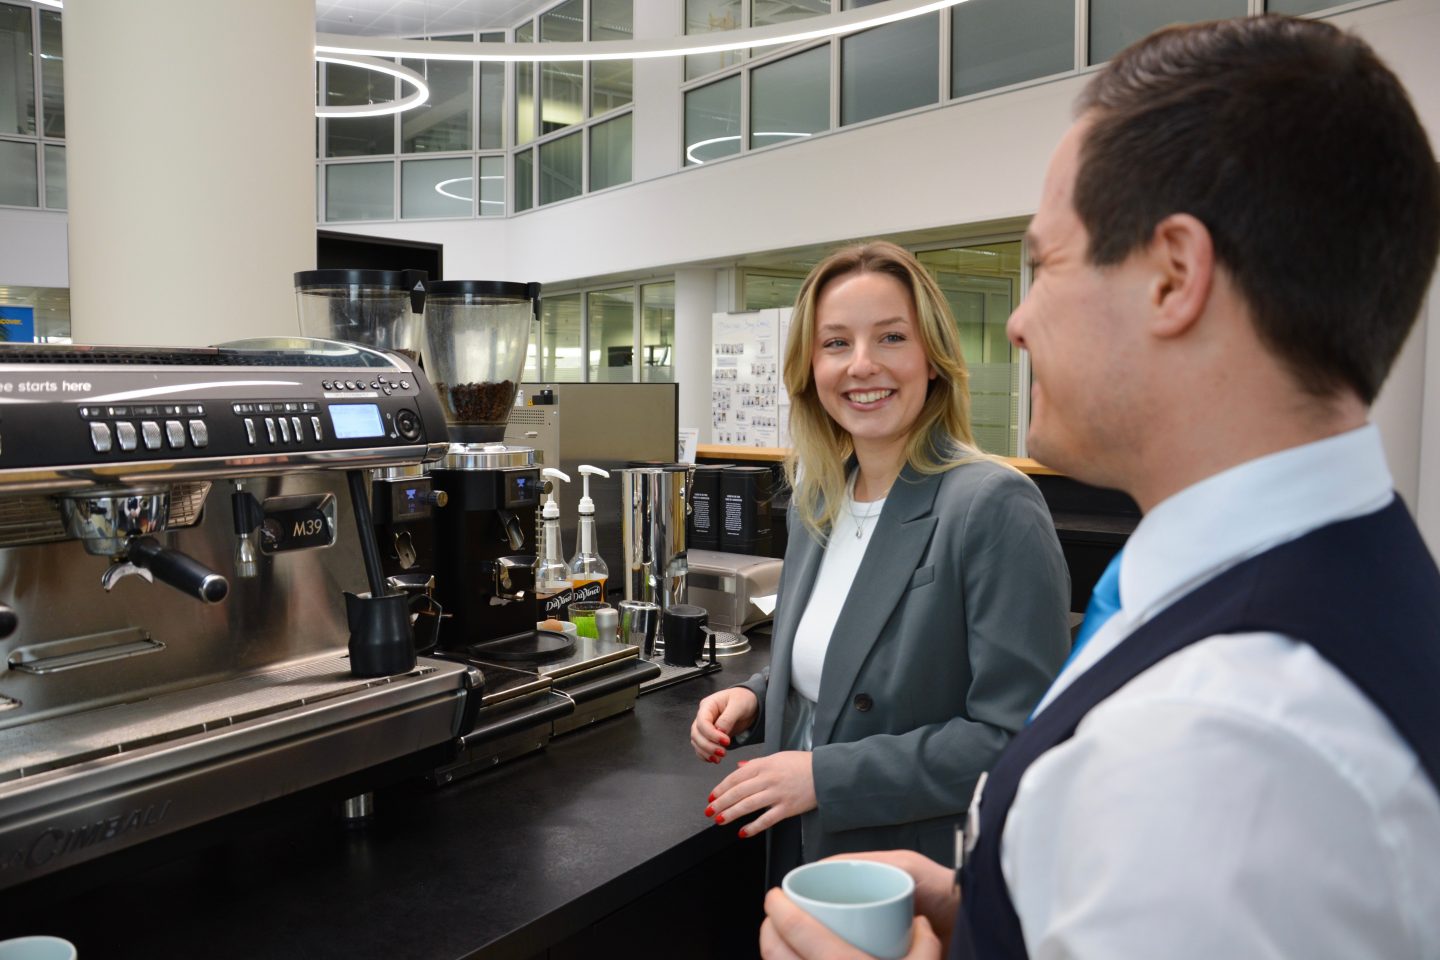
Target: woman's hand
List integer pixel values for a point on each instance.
(720, 716)
(782, 784)
(790, 933)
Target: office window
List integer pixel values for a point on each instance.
(19, 184)
(358, 136)
(790, 98)
(55, 191)
(562, 84)
(437, 188)
(610, 146)
(492, 186)
(560, 169)
(612, 335)
(712, 121)
(52, 75)
(611, 81)
(492, 99)
(767, 12)
(560, 358)
(444, 122)
(524, 180)
(1297, 7)
(657, 332)
(360, 191)
(1115, 24)
(709, 16)
(17, 72)
(994, 43)
(889, 69)
(525, 90)
(762, 291)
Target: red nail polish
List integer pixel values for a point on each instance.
(741, 763)
(709, 811)
(710, 799)
(720, 752)
(743, 834)
(724, 739)
(720, 818)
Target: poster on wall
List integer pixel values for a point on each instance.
(17, 324)
(747, 396)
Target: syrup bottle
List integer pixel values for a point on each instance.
(552, 574)
(587, 567)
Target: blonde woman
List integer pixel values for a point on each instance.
(923, 602)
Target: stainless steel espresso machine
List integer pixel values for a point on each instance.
(192, 616)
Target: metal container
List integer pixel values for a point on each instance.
(654, 504)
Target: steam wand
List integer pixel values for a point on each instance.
(360, 500)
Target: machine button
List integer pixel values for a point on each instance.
(150, 433)
(404, 384)
(170, 411)
(292, 408)
(265, 407)
(100, 436)
(326, 385)
(199, 433)
(117, 411)
(194, 410)
(125, 433)
(284, 429)
(374, 384)
(295, 428)
(144, 411)
(386, 388)
(308, 408)
(315, 425)
(175, 433)
(270, 428)
(250, 431)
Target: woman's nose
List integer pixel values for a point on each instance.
(862, 362)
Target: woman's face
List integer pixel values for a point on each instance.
(870, 369)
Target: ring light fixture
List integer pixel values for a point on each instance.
(386, 107)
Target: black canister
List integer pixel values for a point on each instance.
(745, 526)
(706, 506)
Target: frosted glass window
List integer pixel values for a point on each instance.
(360, 191)
(610, 146)
(437, 188)
(889, 69)
(52, 74)
(712, 121)
(611, 81)
(524, 180)
(560, 358)
(562, 85)
(657, 332)
(561, 169)
(524, 90)
(790, 98)
(709, 16)
(492, 186)
(1115, 24)
(767, 12)
(994, 43)
(358, 136)
(55, 192)
(17, 72)
(444, 122)
(612, 335)
(19, 186)
(492, 99)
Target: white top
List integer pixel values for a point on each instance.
(1241, 798)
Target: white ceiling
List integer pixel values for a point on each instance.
(394, 18)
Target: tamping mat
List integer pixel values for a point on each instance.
(531, 647)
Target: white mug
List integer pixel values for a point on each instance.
(37, 948)
(868, 904)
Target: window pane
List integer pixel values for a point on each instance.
(610, 144)
(1115, 24)
(657, 333)
(708, 16)
(560, 339)
(55, 193)
(560, 169)
(17, 72)
(712, 121)
(524, 90)
(18, 181)
(492, 99)
(982, 285)
(790, 98)
(524, 180)
(492, 186)
(763, 290)
(611, 82)
(562, 85)
(612, 335)
(443, 122)
(360, 191)
(1296, 7)
(358, 136)
(782, 11)
(52, 73)
(889, 69)
(994, 43)
(437, 188)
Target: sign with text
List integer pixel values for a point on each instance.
(17, 324)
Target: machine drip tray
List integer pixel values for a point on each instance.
(537, 646)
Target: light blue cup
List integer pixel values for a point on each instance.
(37, 948)
(869, 905)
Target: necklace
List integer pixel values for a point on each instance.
(861, 517)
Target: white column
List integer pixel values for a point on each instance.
(190, 148)
(694, 307)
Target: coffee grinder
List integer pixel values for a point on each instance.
(476, 336)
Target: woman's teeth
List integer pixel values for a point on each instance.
(868, 396)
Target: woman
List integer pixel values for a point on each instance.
(923, 602)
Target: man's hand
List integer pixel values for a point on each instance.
(789, 933)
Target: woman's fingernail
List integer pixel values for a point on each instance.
(724, 739)
(743, 834)
(709, 811)
(710, 799)
(720, 752)
(720, 818)
(741, 763)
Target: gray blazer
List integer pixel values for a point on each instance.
(953, 629)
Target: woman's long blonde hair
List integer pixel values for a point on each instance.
(820, 448)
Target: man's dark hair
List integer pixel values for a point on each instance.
(1300, 152)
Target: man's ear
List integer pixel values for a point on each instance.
(1183, 257)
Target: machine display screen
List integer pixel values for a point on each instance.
(352, 420)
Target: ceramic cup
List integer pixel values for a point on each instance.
(37, 948)
(870, 905)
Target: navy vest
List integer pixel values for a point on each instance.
(1365, 593)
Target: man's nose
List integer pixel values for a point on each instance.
(1014, 327)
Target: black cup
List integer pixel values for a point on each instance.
(684, 633)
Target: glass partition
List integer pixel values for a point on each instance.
(437, 188)
(561, 169)
(55, 191)
(657, 332)
(446, 120)
(994, 43)
(524, 180)
(790, 98)
(712, 121)
(612, 335)
(560, 358)
(17, 75)
(889, 69)
(610, 157)
(611, 81)
(709, 16)
(52, 74)
(19, 180)
(360, 191)
(358, 136)
(492, 186)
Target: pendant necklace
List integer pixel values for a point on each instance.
(860, 518)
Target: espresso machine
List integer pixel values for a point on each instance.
(193, 619)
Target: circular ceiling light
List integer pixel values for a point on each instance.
(420, 94)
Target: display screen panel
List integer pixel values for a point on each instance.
(351, 421)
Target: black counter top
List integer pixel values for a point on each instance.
(508, 863)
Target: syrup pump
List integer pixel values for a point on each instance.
(552, 574)
(588, 567)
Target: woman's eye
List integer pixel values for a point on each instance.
(833, 344)
(893, 338)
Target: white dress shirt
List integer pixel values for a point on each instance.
(1241, 798)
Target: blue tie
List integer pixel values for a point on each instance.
(1104, 604)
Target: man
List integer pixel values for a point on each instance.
(1232, 243)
